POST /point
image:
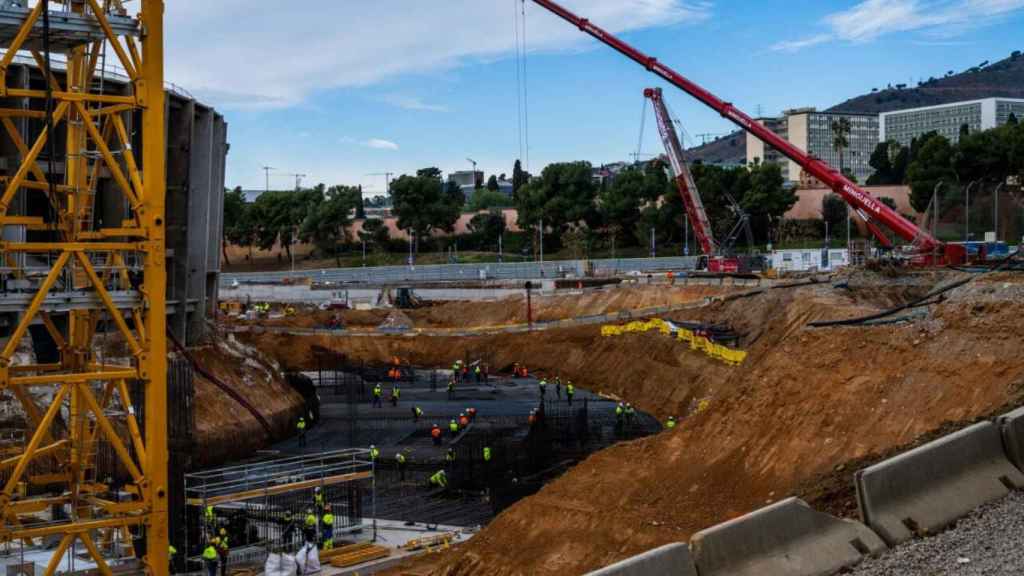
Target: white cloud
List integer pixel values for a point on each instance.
(380, 144)
(267, 53)
(412, 103)
(797, 45)
(871, 19)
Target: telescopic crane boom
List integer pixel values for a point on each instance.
(682, 175)
(931, 250)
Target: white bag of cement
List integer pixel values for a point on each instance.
(280, 565)
(308, 559)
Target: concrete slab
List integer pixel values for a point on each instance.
(1012, 427)
(787, 538)
(929, 487)
(668, 560)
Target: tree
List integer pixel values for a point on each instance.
(326, 222)
(1011, 119)
(519, 177)
(277, 216)
(487, 227)
(965, 130)
(767, 200)
(841, 139)
(374, 232)
(492, 183)
(932, 164)
(424, 202)
(833, 211)
(234, 221)
(360, 205)
(563, 194)
(888, 202)
(484, 199)
(889, 160)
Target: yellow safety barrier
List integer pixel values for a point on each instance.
(696, 342)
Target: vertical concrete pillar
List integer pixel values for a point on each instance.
(201, 168)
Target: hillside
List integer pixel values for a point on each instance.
(1003, 78)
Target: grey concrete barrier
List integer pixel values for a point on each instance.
(787, 538)
(668, 560)
(929, 487)
(1012, 427)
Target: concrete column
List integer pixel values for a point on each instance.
(179, 151)
(201, 170)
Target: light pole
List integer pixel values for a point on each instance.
(995, 215)
(967, 211)
(654, 249)
(473, 162)
(541, 240)
(266, 174)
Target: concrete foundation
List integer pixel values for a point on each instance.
(669, 560)
(1012, 427)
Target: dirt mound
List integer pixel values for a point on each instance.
(224, 429)
(806, 402)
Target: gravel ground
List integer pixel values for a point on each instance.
(989, 542)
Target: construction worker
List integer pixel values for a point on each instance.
(288, 534)
(289, 311)
(558, 386)
(439, 479)
(451, 389)
(416, 413)
(532, 418)
(223, 550)
(570, 391)
(620, 416)
(210, 557)
(476, 373)
(300, 427)
(395, 393)
(435, 433)
(318, 500)
(449, 458)
(463, 421)
(671, 422)
(471, 412)
(171, 553)
(630, 415)
(453, 427)
(487, 454)
(309, 526)
(211, 519)
(374, 453)
(400, 463)
(543, 388)
(328, 528)
(515, 370)
(377, 392)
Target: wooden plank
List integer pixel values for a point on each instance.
(360, 557)
(279, 489)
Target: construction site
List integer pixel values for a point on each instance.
(699, 415)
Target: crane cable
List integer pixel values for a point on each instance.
(643, 123)
(526, 92)
(519, 80)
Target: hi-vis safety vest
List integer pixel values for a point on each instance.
(487, 453)
(210, 553)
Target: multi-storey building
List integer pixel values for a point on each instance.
(947, 119)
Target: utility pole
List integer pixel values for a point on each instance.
(686, 236)
(995, 216)
(298, 181)
(654, 250)
(541, 240)
(967, 212)
(266, 173)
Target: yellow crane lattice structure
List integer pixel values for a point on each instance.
(85, 281)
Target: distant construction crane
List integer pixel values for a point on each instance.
(387, 179)
(298, 179)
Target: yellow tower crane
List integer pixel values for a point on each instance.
(96, 288)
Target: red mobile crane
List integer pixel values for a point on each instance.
(717, 262)
(929, 249)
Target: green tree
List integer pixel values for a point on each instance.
(326, 221)
(833, 212)
(881, 161)
(487, 227)
(277, 216)
(234, 221)
(492, 183)
(932, 164)
(841, 140)
(1011, 119)
(485, 198)
(564, 194)
(374, 232)
(888, 202)
(767, 200)
(519, 177)
(424, 202)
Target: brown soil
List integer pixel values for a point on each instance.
(224, 429)
(796, 418)
(509, 310)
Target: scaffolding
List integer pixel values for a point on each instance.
(264, 507)
(83, 355)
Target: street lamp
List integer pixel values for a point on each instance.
(473, 162)
(995, 215)
(967, 211)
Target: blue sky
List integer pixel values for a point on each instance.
(340, 89)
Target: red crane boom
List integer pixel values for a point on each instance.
(683, 177)
(867, 206)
